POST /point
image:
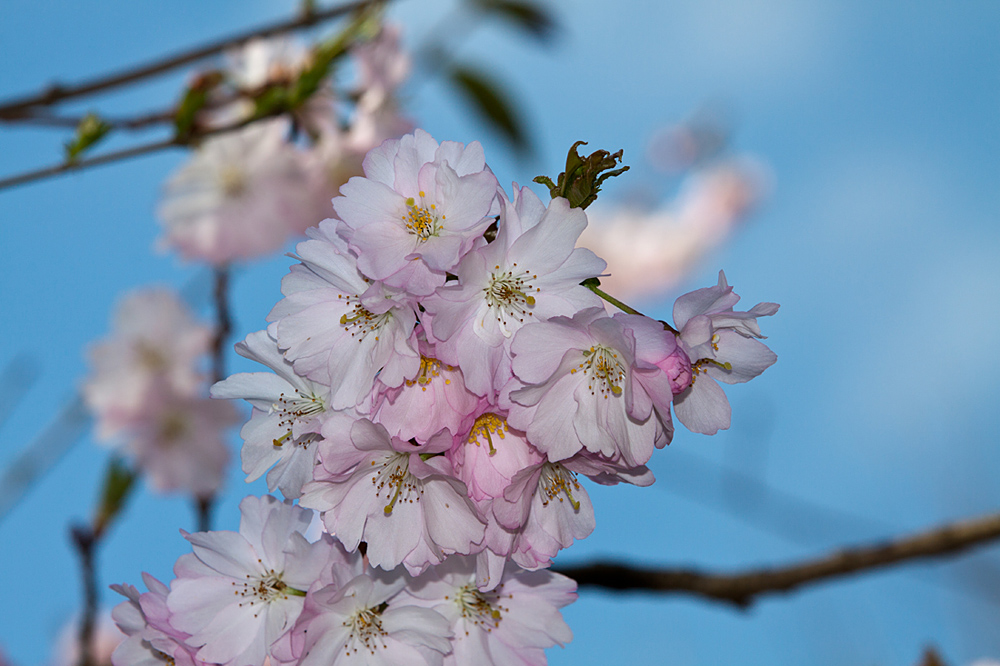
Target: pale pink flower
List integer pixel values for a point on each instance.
(286, 419)
(546, 509)
(145, 620)
(530, 272)
(722, 346)
(179, 442)
(360, 623)
(339, 330)
(435, 398)
(583, 388)
(489, 453)
(418, 200)
(375, 488)
(512, 624)
(238, 593)
(155, 342)
(242, 195)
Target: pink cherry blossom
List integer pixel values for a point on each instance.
(530, 272)
(583, 388)
(512, 624)
(375, 488)
(339, 330)
(240, 592)
(145, 620)
(418, 200)
(287, 416)
(242, 195)
(435, 398)
(359, 623)
(179, 442)
(723, 347)
(155, 342)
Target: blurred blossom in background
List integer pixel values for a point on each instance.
(853, 179)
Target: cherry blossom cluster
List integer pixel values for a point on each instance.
(266, 592)
(243, 194)
(442, 375)
(149, 396)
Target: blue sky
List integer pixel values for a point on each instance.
(880, 123)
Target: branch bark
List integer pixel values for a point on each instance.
(743, 589)
(58, 93)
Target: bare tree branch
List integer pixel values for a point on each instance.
(742, 589)
(56, 93)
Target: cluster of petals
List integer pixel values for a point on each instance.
(265, 593)
(244, 193)
(146, 391)
(442, 381)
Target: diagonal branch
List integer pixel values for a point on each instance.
(742, 589)
(56, 93)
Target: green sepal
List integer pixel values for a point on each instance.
(194, 100)
(583, 177)
(89, 131)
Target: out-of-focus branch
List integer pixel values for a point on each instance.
(223, 329)
(118, 155)
(56, 93)
(743, 589)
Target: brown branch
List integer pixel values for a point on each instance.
(86, 544)
(742, 589)
(57, 93)
(119, 155)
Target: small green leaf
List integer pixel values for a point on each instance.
(583, 177)
(195, 98)
(491, 102)
(90, 130)
(118, 482)
(527, 16)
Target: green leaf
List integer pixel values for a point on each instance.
(583, 177)
(491, 102)
(527, 16)
(118, 482)
(195, 98)
(90, 130)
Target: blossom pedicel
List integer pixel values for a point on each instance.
(442, 378)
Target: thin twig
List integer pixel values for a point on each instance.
(139, 122)
(85, 541)
(742, 589)
(118, 155)
(223, 329)
(57, 93)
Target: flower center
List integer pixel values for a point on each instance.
(360, 321)
(232, 181)
(173, 427)
(486, 426)
(263, 589)
(366, 630)
(557, 481)
(297, 407)
(476, 607)
(395, 479)
(421, 221)
(603, 369)
(429, 369)
(509, 294)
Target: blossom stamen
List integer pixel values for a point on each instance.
(604, 369)
(555, 481)
(366, 629)
(485, 426)
(477, 607)
(509, 294)
(394, 477)
(421, 221)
